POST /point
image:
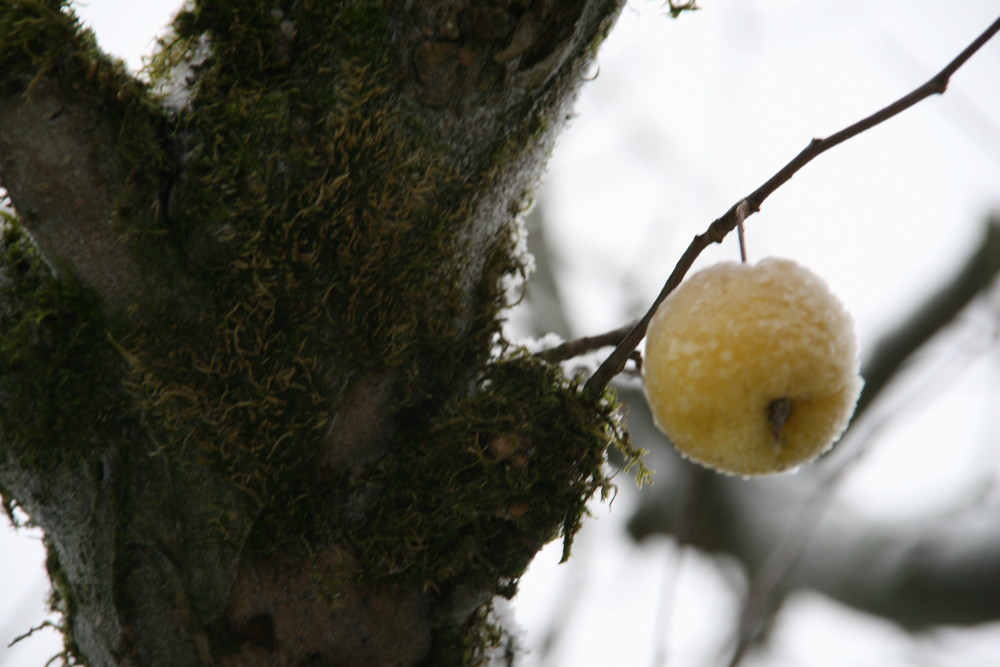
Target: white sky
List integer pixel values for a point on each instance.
(684, 118)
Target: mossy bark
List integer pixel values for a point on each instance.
(249, 326)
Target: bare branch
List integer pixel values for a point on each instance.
(61, 140)
(576, 347)
(937, 571)
(722, 226)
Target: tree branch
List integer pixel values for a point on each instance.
(63, 190)
(61, 152)
(576, 347)
(937, 311)
(721, 227)
(940, 571)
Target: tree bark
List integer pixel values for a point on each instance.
(249, 322)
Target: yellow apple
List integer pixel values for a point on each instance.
(752, 368)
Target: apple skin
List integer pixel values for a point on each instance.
(752, 369)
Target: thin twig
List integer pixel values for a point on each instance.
(721, 227)
(41, 626)
(576, 347)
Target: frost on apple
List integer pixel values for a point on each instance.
(752, 368)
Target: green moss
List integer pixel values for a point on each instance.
(482, 634)
(324, 231)
(43, 38)
(336, 217)
(325, 234)
(62, 601)
(38, 33)
(59, 377)
(494, 476)
(365, 25)
(320, 220)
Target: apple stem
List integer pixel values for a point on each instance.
(742, 211)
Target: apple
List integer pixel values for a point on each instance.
(752, 369)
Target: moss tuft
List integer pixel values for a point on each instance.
(481, 636)
(43, 35)
(497, 474)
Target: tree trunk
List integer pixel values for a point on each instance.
(252, 384)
